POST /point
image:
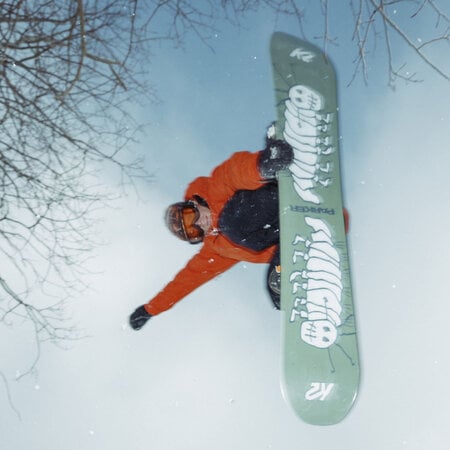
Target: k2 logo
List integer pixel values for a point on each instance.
(319, 391)
(302, 55)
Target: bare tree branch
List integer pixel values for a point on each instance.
(63, 94)
(418, 49)
(8, 394)
(392, 17)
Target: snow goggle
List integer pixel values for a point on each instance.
(181, 219)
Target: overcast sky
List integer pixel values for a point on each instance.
(206, 374)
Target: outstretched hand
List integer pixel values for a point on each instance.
(139, 318)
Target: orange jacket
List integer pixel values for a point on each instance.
(217, 254)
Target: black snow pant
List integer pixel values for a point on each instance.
(251, 219)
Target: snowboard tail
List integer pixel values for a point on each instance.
(320, 352)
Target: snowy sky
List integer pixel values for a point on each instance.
(207, 373)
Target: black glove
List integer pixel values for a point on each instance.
(276, 156)
(139, 318)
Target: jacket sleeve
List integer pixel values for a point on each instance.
(201, 268)
(240, 171)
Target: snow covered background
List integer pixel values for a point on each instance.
(207, 373)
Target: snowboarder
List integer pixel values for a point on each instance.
(234, 214)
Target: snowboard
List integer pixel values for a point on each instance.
(320, 351)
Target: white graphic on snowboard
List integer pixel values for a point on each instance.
(317, 285)
(321, 281)
(306, 130)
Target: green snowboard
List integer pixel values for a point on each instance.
(320, 360)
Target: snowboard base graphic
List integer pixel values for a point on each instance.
(320, 353)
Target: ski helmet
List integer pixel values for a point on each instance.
(181, 220)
